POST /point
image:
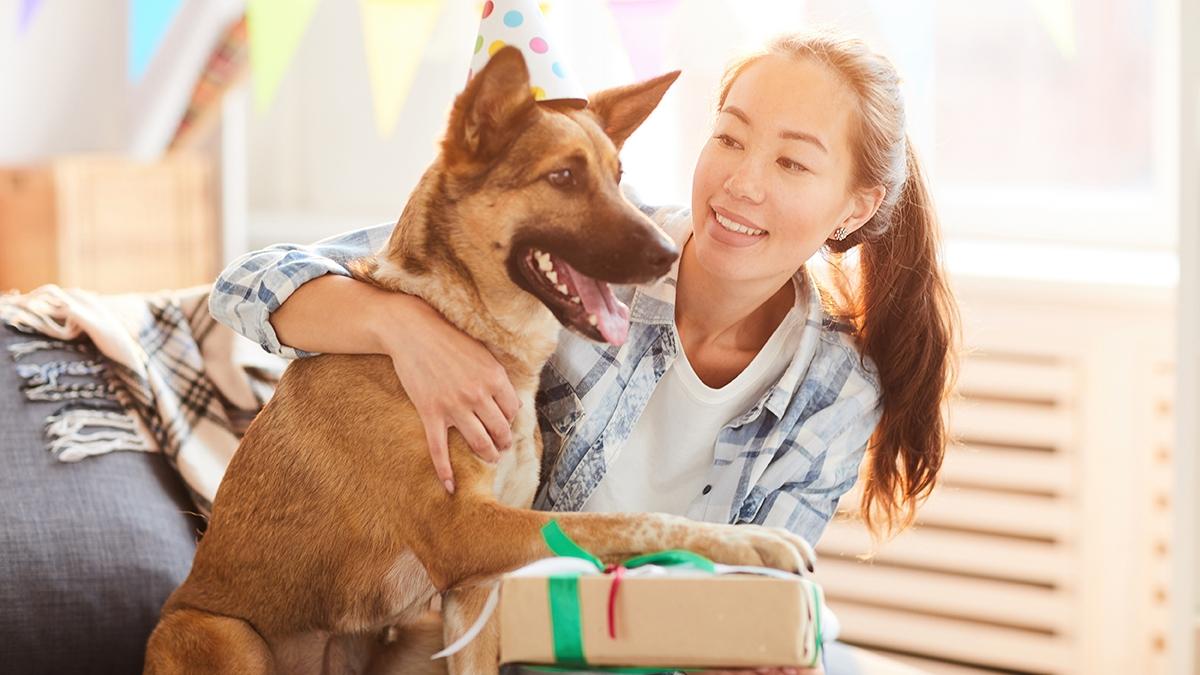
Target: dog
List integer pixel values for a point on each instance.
(331, 535)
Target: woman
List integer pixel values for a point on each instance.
(746, 391)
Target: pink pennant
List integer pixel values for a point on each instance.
(643, 25)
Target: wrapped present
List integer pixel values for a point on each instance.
(668, 610)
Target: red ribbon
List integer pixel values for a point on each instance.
(617, 572)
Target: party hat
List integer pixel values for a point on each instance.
(520, 23)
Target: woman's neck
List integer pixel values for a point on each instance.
(714, 313)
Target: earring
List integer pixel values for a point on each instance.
(839, 234)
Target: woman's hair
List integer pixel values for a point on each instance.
(901, 308)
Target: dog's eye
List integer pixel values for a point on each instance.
(563, 178)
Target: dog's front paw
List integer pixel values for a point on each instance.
(758, 546)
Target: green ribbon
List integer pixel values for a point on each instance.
(565, 614)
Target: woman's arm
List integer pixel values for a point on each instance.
(254, 286)
(300, 300)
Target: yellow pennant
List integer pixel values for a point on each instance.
(395, 33)
(275, 28)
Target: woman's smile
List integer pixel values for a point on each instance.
(730, 229)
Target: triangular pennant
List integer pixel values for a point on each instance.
(643, 24)
(148, 23)
(1058, 18)
(395, 33)
(28, 9)
(276, 27)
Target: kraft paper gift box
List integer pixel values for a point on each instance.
(667, 621)
(672, 609)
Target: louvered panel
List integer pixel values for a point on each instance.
(987, 511)
(931, 667)
(1156, 599)
(1017, 605)
(1007, 469)
(983, 644)
(961, 552)
(1016, 378)
(998, 513)
(1008, 423)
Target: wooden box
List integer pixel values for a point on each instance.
(109, 224)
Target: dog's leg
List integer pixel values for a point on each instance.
(490, 538)
(409, 653)
(460, 608)
(189, 641)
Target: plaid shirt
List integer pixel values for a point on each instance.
(784, 462)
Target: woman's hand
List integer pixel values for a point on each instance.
(452, 380)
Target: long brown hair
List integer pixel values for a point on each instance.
(900, 305)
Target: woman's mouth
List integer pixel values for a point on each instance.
(732, 232)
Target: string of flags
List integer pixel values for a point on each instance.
(396, 34)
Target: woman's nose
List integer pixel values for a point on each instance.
(743, 183)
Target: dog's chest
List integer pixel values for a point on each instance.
(516, 477)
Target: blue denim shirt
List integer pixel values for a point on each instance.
(785, 461)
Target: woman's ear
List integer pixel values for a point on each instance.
(863, 205)
(622, 110)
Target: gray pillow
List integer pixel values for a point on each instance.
(88, 551)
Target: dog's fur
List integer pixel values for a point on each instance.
(331, 533)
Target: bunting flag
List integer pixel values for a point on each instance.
(1058, 18)
(395, 33)
(275, 27)
(643, 25)
(148, 23)
(28, 9)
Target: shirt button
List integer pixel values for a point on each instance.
(707, 489)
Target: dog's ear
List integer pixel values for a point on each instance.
(622, 110)
(493, 110)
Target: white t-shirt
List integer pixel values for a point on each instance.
(662, 465)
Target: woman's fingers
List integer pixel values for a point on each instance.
(476, 435)
(499, 428)
(435, 437)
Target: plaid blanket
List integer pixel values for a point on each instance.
(159, 375)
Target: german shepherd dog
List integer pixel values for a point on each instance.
(331, 534)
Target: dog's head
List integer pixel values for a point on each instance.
(536, 194)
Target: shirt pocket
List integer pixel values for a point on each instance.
(557, 403)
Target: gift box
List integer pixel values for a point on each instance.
(661, 620)
(668, 610)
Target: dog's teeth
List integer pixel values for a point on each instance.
(576, 300)
(552, 276)
(592, 319)
(562, 288)
(544, 263)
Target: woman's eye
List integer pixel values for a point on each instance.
(728, 141)
(563, 178)
(790, 165)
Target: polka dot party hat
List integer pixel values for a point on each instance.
(520, 23)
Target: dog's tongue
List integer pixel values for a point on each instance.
(612, 316)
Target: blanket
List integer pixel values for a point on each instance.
(158, 374)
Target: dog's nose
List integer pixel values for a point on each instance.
(660, 255)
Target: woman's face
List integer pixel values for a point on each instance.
(774, 180)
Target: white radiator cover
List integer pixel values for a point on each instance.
(1046, 546)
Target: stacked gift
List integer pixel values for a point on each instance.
(668, 610)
